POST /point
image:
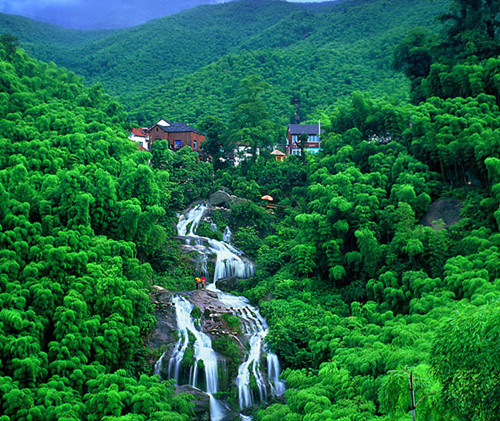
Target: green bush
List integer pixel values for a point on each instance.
(196, 312)
(233, 322)
(227, 346)
(205, 230)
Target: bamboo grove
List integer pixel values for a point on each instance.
(357, 290)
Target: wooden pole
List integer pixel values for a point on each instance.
(412, 393)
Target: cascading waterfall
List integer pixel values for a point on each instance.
(229, 263)
(255, 326)
(183, 315)
(273, 373)
(203, 351)
(191, 220)
(226, 236)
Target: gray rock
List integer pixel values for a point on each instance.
(229, 285)
(201, 402)
(220, 198)
(224, 199)
(442, 213)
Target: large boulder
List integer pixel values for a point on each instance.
(201, 402)
(229, 285)
(165, 334)
(224, 199)
(220, 198)
(442, 213)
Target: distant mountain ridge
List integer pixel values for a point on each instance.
(97, 14)
(189, 64)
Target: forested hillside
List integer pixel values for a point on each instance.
(43, 39)
(80, 213)
(189, 65)
(358, 292)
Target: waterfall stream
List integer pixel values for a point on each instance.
(229, 263)
(203, 351)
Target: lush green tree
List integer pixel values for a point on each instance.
(413, 56)
(472, 28)
(250, 127)
(464, 356)
(80, 213)
(9, 43)
(217, 147)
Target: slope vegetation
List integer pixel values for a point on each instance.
(193, 60)
(79, 211)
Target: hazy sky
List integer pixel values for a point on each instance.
(89, 14)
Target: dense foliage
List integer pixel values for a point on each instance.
(80, 213)
(187, 66)
(358, 290)
(358, 293)
(355, 289)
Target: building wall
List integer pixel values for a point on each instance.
(156, 134)
(291, 145)
(185, 138)
(143, 141)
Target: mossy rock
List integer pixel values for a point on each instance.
(204, 229)
(227, 346)
(188, 358)
(253, 383)
(196, 312)
(232, 322)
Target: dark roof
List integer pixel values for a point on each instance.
(177, 127)
(311, 129)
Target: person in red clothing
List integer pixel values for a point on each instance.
(203, 282)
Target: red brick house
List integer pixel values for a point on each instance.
(178, 135)
(313, 143)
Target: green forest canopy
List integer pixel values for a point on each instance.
(81, 214)
(357, 293)
(188, 65)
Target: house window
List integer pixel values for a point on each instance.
(195, 144)
(294, 138)
(296, 152)
(313, 139)
(177, 144)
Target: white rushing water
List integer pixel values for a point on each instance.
(193, 217)
(203, 351)
(226, 237)
(255, 326)
(229, 264)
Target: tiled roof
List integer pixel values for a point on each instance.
(142, 131)
(310, 129)
(176, 127)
